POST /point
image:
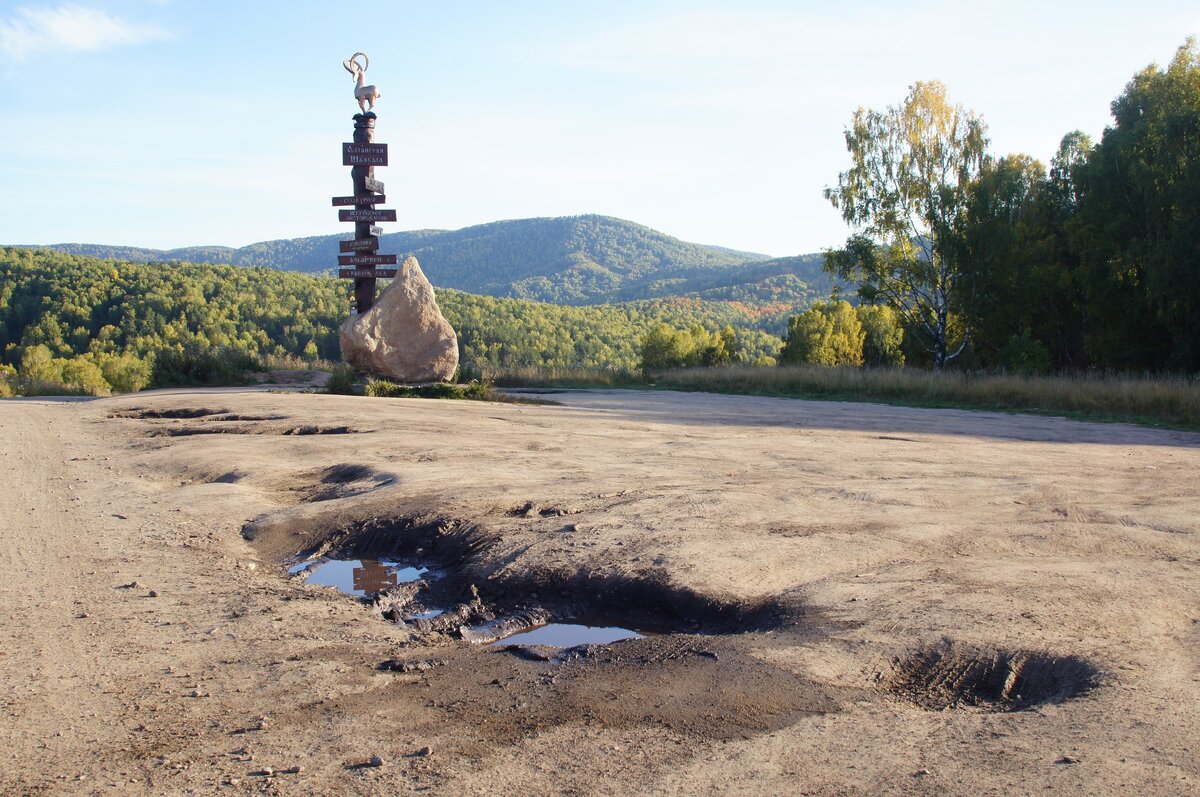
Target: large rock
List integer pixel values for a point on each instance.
(404, 337)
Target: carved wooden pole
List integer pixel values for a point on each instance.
(364, 287)
(363, 155)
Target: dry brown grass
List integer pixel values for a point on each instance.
(1170, 401)
(1155, 401)
(563, 377)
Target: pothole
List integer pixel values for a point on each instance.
(190, 431)
(460, 597)
(338, 481)
(345, 473)
(953, 675)
(475, 634)
(309, 429)
(181, 412)
(234, 428)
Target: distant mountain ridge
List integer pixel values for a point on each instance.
(574, 260)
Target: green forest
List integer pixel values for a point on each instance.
(78, 320)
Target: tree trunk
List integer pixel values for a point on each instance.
(940, 344)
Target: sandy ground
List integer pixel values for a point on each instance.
(843, 583)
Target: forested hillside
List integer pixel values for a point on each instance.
(77, 306)
(569, 260)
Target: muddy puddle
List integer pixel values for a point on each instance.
(358, 577)
(569, 635)
(434, 580)
(376, 578)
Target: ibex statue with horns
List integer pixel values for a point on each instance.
(366, 95)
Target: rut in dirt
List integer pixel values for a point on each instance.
(222, 421)
(952, 675)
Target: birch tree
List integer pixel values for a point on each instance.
(905, 196)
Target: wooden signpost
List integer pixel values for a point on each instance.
(362, 155)
(366, 273)
(370, 243)
(366, 260)
(366, 199)
(366, 215)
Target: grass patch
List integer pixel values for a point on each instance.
(472, 391)
(565, 377)
(1172, 402)
(381, 388)
(1156, 401)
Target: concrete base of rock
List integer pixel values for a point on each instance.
(404, 337)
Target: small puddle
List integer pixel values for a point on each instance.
(429, 615)
(568, 635)
(358, 576)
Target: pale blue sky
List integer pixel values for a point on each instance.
(171, 123)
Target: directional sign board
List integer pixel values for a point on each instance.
(366, 260)
(359, 245)
(372, 184)
(361, 199)
(366, 273)
(364, 155)
(367, 215)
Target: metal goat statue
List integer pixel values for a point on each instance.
(366, 95)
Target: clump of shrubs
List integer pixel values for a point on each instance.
(342, 380)
(40, 373)
(1024, 354)
(477, 391)
(8, 381)
(199, 365)
(835, 334)
(665, 347)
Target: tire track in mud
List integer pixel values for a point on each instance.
(952, 675)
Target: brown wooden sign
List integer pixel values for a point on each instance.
(366, 260)
(364, 155)
(374, 214)
(366, 273)
(361, 199)
(359, 245)
(372, 184)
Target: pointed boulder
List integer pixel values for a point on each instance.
(404, 337)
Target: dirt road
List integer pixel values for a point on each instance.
(836, 598)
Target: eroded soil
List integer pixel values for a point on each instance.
(838, 598)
